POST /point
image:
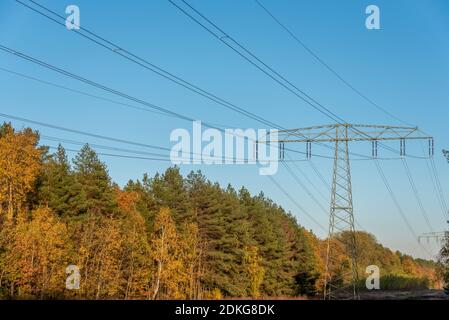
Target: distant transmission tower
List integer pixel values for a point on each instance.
(437, 236)
(341, 280)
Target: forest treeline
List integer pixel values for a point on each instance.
(164, 236)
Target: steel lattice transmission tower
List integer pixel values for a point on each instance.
(342, 276)
(440, 236)
(437, 236)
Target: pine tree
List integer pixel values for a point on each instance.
(223, 228)
(145, 203)
(310, 278)
(58, 188)
(169, 190)
(96, 193)
(274, 245)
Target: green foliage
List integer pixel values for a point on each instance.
(400, 282)
(73, 193)
(223, 229)
(403, 282)
(57, 186)
(90, 173)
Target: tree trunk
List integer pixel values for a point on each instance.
(159, 271)
(10, 206)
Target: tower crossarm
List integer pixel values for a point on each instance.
(438, 236)
(355, 132)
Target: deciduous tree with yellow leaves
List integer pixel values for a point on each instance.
(35, 259)
(20, 161)
(254, 269)
(165, 253)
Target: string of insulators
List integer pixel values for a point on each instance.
(281, 150)
(309, 149)
(402, 147)
(256, 150)
(431, 147)
(374, 149)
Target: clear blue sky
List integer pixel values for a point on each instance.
(404, 67)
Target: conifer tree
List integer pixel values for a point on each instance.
(146, 203)
(58, 188)
(224, 230)
(169, 191)
(96, 193)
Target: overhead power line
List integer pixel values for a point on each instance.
(113, 91)
(309, 181)
(89, 134)
(242, 51)
(133, 151)
(124, 53)
(99, 40)
(92, 83)
(117, 155)
(328, 67)
(94, 135)
(296, 203)
(119, 50)
(100, 146)
(254, 60)
(438, 184)
(118, 140)
(398, 206)
(303, 186)
(320, 176)
(438, 192)
(129, 97)
(416, 194)
(90, 95)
